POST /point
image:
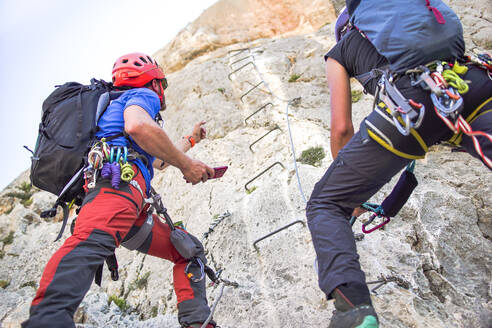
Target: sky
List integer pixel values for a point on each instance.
(44, 43)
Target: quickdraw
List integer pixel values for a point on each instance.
(378, 212)
(392, 204)
(406, 114)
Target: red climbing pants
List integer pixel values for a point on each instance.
(106, 218)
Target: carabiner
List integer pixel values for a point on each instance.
(420, 118)
(405, 130)
(446, 104)
(125, 154)
(387, 219)
(118, 155)
(202, 270)
(111, 155)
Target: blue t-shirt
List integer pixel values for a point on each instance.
(112, 122)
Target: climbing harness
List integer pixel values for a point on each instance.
(446, 86)
(406, 114)
(186, 244)
(393, 203)
(392, 110)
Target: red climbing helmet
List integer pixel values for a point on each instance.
(135, 70)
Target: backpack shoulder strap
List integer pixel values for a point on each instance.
(104, 101)
(375, 73)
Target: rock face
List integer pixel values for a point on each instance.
(436, 253)
(232, 21)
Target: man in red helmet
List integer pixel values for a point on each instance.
(115, 214)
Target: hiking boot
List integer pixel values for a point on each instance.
(361, 316)
(353, 307)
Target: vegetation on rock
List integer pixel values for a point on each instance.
(312, 156)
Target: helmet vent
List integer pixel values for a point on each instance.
(150, 59)
(143, 59)
(124, 61)
(136, 63)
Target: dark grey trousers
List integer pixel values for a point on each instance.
(359, 171)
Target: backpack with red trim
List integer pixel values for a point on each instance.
(408, 33)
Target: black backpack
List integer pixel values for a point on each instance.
(66, 133)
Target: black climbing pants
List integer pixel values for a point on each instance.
(358, 172)
(361, 168)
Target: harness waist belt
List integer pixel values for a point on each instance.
(139, 238)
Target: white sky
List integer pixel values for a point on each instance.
(48, 42)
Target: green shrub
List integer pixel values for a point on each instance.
(26, 191)
(120, 302)
(221, 90)
(142, 281)
(30, 284)
(4, 284)
(251, 190)
(312, 156)
(20, 195)
(154, 311)
(294, 77)
(356, 95)
(9, 239)
(27, 202)
(25, 187)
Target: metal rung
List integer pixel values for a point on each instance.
(247, 92)
(259, 109)
(240, 68)
(384, 280)
(237, 61)
(275, 128)
(277, 231)
(238, 51)
(263, 172)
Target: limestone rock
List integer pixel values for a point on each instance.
(233, 21)
(436, 253)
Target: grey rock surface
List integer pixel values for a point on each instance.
(437, 251)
